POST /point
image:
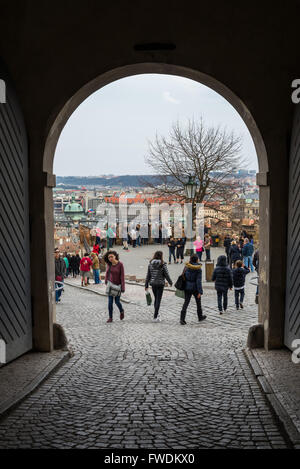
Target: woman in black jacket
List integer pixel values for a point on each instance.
(156, 276)
(222, 276)
(235, 254)
(193, 287)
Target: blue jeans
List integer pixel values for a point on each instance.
(248, 262)
(96, 276)
(239, 296)
(57, 292)
(111, 302)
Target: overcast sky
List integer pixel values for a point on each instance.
(109, 132)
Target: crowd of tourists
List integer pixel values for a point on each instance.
(229, 273)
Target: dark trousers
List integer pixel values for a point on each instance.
(239, 296)
(222, 295)
(172, 254)
(158, 293)
(180, 253)
(188, 296)
(199, 254)
(207, 252)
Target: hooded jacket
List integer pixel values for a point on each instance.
(248, 250)
(193, 277)
(234, 253)
(239, 275)
(222, 275)
(157, 274)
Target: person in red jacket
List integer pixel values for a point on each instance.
(115, 275)
(85, 267)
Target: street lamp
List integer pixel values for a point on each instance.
(190, 191)
(190, 188)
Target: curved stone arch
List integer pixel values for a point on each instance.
(59, 121)
(159, 68)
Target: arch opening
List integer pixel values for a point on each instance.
(61, 119)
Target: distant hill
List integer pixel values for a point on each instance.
(71, 182)
(122, 181)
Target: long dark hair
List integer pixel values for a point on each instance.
(158, 255)
(108, 254)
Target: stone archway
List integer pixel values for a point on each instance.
(58, 122)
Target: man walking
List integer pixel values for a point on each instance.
(247, 252)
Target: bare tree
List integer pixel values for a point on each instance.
(208, 154)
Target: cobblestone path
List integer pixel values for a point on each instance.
(139, 384)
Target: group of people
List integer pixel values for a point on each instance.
(224, 276)
(240, 248)
(177, 247)
(74, 265)
(230, 272)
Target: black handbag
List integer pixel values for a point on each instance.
(180, 283)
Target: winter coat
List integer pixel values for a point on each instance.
(248, 250)
(198, 245)
(181, 243)
(234, 253)
(157, 274)
(193, 277)
(207, 242)
(239, 276)
(222, 275)
(172, 245)
(60, 267)
(227, 244)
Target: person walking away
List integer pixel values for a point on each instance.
(247, 252)
(222, 277)
(207, 245)
(60, 268)
(234, 254)
(172, 247)
(193, 287)
(239, 278)
(199, 247)
(180, 250)
(96, 268)
(115, 274)
(227, 245)
(157, 275)
(85, 268)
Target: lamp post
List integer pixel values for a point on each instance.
(190, 191)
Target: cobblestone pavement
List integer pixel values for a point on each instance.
(284, 377)
(139, 384)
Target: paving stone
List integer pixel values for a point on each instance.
(138, 384)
